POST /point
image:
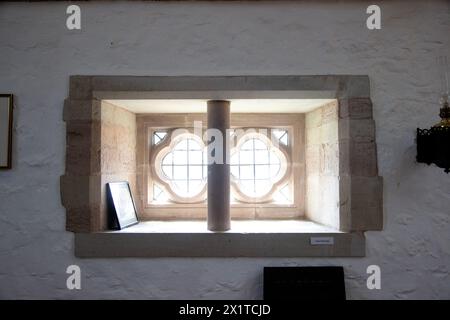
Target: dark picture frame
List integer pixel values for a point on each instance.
(6, 128)
(121, 207)
(304, 283)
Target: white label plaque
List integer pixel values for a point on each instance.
(322, 241)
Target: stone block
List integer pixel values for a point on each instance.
(361, 130)
(74, 190)
(329, 132)
(78, 148)
(322, 199)
(80, 87)
(370, 218)
(313, 119)
(356, 87)
(118, 148)
(117, 135)
(329, 159)
(312, 159)
(114, 115)
(330, 112)
(358, 158)
(313, 136)
(82, 148)
(312, 196)
(79, 190)
(363, 159)
(81, 110)
(82, 219)
(206, 244)
(80, 195)
(367, 203)
(361, 202)
(355, 108)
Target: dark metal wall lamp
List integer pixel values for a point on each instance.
(433, 145)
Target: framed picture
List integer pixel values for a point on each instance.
(121, 208)
(6, 123)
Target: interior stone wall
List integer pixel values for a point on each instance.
(100, 148)
(322, 165)
(268, 38)
(118, 151)
(360, 186)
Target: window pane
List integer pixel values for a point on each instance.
(181, 187)
(195, 172)
(282, 136)
(262, 187)
(248, 187)
(167, 170)
(248, 145)
(254, 167)
(283, 195)
(180, 172)
(182, 145)
(262, 157)
(278, 133)
(159, 195)
(183, 168)
(194, 185)
(180, 157)
(274, 158)
(235, 170)
(195, 157)
(285, 191)
(246, 157)
(167, 159)
(262, 172)
(284, 139)
(234, 159)
(274, 169)
(259, 144)
(258, 166)
(246, 172)
(158, 136)
(194, 145)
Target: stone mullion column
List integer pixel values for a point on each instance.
(219, 173)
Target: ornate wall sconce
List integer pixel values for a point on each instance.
(433, 145)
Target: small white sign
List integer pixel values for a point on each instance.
(322, 241)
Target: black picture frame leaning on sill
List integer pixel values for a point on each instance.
(121, 207)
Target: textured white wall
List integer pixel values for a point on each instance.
(37, 55)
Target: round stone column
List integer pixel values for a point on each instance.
(219, 171)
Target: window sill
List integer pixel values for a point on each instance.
(291, 238)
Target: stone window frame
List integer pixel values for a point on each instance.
(154, 172)
(83, 191)
(146, 123)
(286, 172)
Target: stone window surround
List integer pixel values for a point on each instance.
(82, 186)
